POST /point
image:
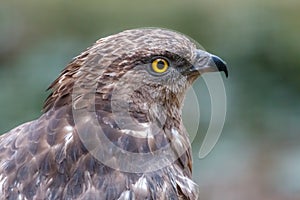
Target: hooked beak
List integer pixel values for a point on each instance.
(221, 64)
(206, 62)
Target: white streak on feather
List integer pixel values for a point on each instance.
(68, 138)
(186, 184)
(138, 134)
(61, 78)
(141, 185)
(126, 195)
(2, 182)
(69, 128)
(21, 197)
(38, 180)
(143, 132)
(177, 140)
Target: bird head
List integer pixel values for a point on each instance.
(142, 67)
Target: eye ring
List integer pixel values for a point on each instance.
(160, 65)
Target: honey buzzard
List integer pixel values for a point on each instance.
(112, 127)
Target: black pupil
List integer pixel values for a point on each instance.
(160, 64)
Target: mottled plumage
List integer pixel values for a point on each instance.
(109, 98)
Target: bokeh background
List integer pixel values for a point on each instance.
(258, 154)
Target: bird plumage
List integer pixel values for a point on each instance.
(111, 128)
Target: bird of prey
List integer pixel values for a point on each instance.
(112, 126)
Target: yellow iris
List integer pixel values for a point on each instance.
(160, 65)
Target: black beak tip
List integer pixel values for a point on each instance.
(221, 65)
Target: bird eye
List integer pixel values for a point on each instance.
(160, 65)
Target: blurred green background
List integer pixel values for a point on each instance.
(258, 154)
